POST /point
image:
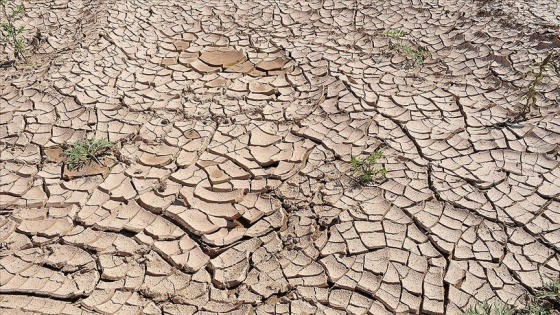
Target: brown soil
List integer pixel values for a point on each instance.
(231, 191)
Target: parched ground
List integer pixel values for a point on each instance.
(236, 121)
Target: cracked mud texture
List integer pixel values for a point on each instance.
(236, 122)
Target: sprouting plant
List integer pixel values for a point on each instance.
(82, 152)
(551, 290)
(394, 34)
(365, 170)
(485, 308)
(535, 309)
(544, 300)
(539, 70)
(415, 56)
(501, 308)
(478, 309)
(10, 34)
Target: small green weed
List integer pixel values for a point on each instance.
(539, 70)
(547, 299)
(544, 302)
(394, 34)
(550, 290)
(10, 34)
(415, 56)
(82, 152)
(497, 308)
(535, 309)
(365, 170)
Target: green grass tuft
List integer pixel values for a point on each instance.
(394, 34)
(545, 302)
(10, 35)
(82, 152)
(415, 56)
(497, 308)
(550, 290)
(365, 170)
(535, 309)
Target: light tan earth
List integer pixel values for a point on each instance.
(236, 121)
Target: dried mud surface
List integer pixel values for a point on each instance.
(236, 121)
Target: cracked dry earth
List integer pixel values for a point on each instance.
(236, 121)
